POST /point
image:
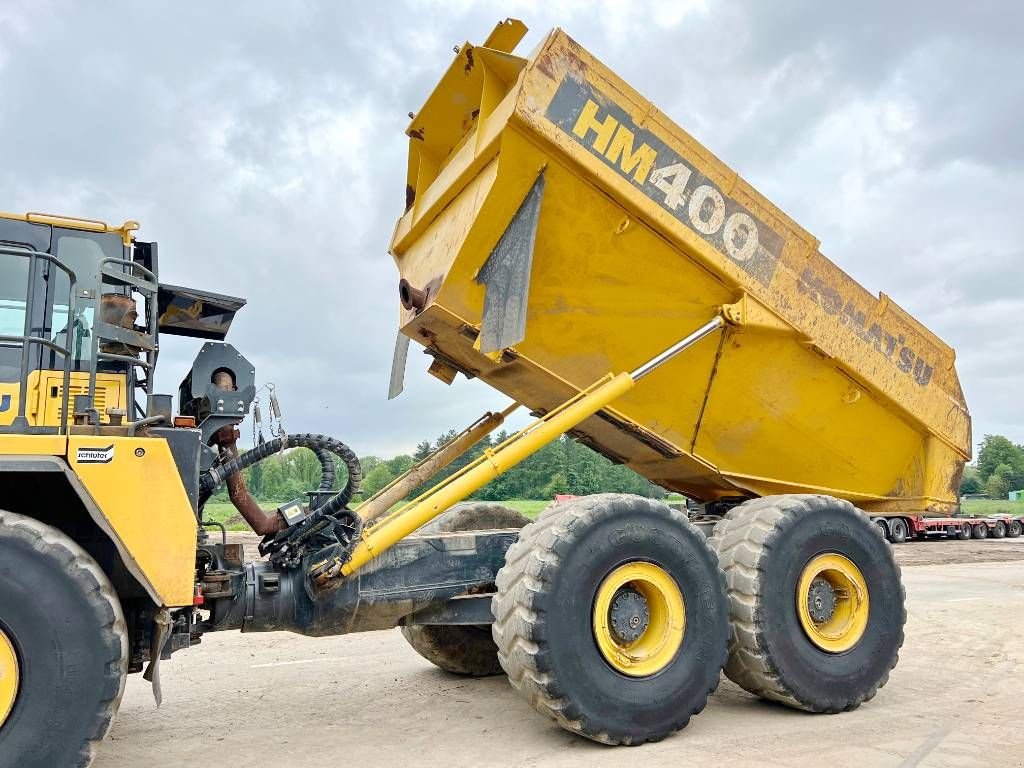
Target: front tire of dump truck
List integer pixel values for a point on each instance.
(63, 648)
(611, 618)
(816, 599)
(463, 650)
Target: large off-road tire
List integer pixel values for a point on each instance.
(611, 618)
(771, 550)
(463, 650)
(62, 623)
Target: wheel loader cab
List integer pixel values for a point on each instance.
(51, 295)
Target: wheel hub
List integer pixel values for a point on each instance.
(821, 601)
(629, 615)
(832, 602)
(639, 619)
(9, 676)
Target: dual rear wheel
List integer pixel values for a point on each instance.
(614, 617)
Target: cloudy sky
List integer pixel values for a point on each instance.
(262, 145)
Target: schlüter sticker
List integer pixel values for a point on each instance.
(95, 455)
(606, 130)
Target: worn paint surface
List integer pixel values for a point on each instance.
(643, 234)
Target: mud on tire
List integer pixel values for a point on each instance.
(763, 547)
(65, 622)
(544, 614)
(463, 650)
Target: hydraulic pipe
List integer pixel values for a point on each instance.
(520, 446)
(396, 490)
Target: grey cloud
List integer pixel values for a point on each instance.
(262, 145)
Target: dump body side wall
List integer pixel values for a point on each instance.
(643, 235)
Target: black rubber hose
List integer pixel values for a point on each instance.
(216, 475)
(327, 469)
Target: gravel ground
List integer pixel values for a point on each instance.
(282, 700)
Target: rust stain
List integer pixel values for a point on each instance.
(469, 61)
(416, 133)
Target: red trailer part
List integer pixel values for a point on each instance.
(899, 529)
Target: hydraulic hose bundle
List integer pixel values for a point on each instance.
(287, 541)
(322, 445)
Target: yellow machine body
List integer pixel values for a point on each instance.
(46, 391)
(131, 488)
(814, 385)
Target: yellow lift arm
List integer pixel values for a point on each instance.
(495, 461)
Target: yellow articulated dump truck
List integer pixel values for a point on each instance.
(566, 243)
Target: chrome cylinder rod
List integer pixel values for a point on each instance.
(655, 362)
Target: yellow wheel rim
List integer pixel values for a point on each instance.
(639, 619)
(832, 602)
(8, 677)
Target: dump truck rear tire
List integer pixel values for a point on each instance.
(62, 624)
(783, 552)
(463, 650)
(611, 618)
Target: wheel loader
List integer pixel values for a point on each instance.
(568, 244)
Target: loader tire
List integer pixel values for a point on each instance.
(798, 568)
(1013, 529)
(611, 618)
(463, 650)
(62, 624)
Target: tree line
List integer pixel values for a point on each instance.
(998, 470)
(563, 466)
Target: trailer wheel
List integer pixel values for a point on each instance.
(964, 533)
(979, 531)
(816, 599)
(898, 530)
(463, 650)
(883, 526)
(611, 618)
(1013, 530)
(63, 648)
(998, 530)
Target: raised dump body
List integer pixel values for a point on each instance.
(559, 227)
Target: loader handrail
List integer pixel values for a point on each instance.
(495, 461)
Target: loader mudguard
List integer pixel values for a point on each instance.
(131, 490)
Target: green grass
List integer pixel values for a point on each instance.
(529, 507)
(981, 507)
(224, 512)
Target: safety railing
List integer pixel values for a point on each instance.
(137, 278)
(27, 340)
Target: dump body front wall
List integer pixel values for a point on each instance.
(643, 235)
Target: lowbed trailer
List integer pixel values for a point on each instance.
(899, 529)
